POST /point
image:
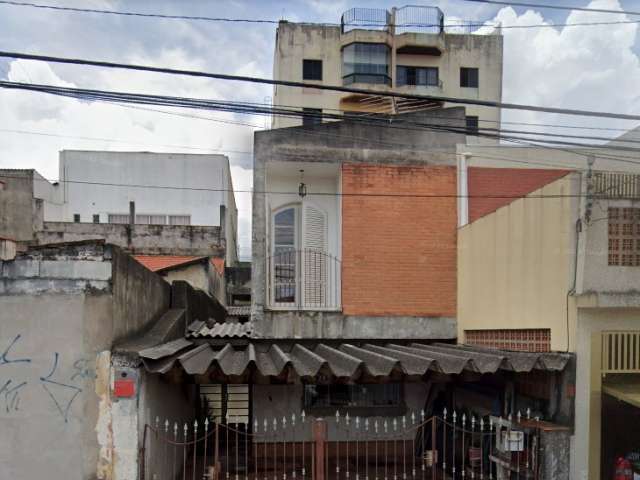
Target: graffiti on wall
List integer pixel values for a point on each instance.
(61, 388)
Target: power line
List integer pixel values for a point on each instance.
(319, 24)
(554, 7)
(334, 88)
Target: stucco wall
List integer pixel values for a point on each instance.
(515, 266)
(17, 204)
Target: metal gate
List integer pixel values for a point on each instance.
(343, 447)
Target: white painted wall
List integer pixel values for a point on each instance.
(185, 171)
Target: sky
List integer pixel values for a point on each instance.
(590, 68)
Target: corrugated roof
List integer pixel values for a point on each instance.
(239, 310)
(156, 263)
(278, 359)
(221, 330)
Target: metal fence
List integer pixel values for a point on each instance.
(411, 447)
(616, 185)
(305, 279)
(365, 18)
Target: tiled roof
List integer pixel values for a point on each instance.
(156, 263)
(347, 361)
(492, 188)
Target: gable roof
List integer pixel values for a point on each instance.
(492, 188)
(158, 263)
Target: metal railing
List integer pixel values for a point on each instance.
(411, 447)
(365, 18)
(419, 19)
(304, 279)
(616, 185)
(620, 352)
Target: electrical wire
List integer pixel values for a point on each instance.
(334, 88)
(554, 7)
(317, 24)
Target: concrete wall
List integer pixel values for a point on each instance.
(17, 205)
(60, 311)
(144, 239)
(184, 171)
(295, 42)
(277, 401)
(516, 266)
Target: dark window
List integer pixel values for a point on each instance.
(372, 397)
(365, 63)
(76, 218)
(311, 116)
(469, 77)
(427, 76)
(471, 124)
(96, 218)
(312, 69)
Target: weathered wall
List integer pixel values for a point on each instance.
(17, 205)
(144, 239)
(277, 401)
(196, 303)
(516, 265)
(399, 253)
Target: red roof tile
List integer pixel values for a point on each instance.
(156, 263)
(510, 182)
(218, 263)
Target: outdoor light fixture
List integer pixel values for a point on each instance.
(302, 187)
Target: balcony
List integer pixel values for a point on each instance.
(306, 279)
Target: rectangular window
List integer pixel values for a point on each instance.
(521, 340)
(424, 76)
(311, 69)
(118, 218)
(311, 116)
(76, 218)
(365, 63)
(471, 122)
(179, 219)
(469, 77)
(96, 218)
(624, 237)
(372, 397)
(145, 219)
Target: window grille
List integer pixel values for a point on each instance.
(179, 219)
(522, 340)
(624, 237)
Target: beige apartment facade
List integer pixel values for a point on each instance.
(558, 270)
(406, 50)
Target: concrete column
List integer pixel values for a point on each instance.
(258, 240)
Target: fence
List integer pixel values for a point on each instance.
(412, 447)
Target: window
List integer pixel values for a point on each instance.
(145, 219)
(179, 219)
(624, 237)
(371, 397)
(312, 69)
(284, 255)
(471, 122)
(76, 218)
(522, 340)
(311, 116)
(118, 218)
(96, 218)
(365, 63)
(469, 77)
(425, 76)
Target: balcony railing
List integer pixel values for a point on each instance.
(365, 19)
(419, 19)
(303, 280)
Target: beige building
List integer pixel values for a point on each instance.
(406, 50)
(559, 270)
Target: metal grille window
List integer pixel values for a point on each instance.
(425, 76)
(345, 396)
(624, 237)
(469, 77)
(311, 69)
(145, 219)
(179, 219)
(365, 63)
(311, 116)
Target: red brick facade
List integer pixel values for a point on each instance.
(517, 339)
(492, 188)
(399, 253)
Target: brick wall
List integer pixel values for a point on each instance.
(399, 253)
(518, 339)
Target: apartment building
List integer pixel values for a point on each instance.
(406, 50)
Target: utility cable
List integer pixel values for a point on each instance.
(554, 7)
(334, 88)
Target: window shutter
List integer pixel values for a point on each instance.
(315, 261)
